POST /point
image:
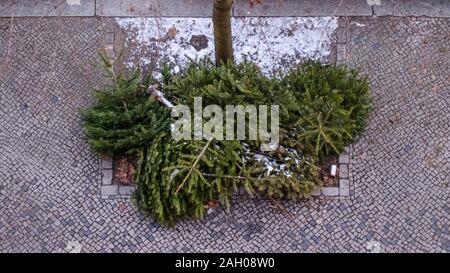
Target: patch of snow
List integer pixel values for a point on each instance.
(174, 173)
(73, 2)
(374, 2)
(269, 163)
(358, 24)
(273, 43)
(374, 246)
(73, 247)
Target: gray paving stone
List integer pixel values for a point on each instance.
(431, 8)
(343, 170)
(303, 8)
(172, 8)
(107, 177)
(316, 192)
(340, 62)
(126, 190)
(109, 50)
(344, 158)
(344, 187)
(341, 52)
(17, 8)
(109, 38)
(107, 163)
(340, 34)
(330, 191)
(109, 190)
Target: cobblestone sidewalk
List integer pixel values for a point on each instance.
(50, 181)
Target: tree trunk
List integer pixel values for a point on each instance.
(222, 30)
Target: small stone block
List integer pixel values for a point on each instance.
(340, 33)
(343, 170)
(107, 163)
(109, 50)
(107, 176)
(347, 150)
(343, 158)
(341, 52)
(108, 190)
(374, 2)
(109, 38)
(344, 188)
(154, 8)
(302, 8)
(330, 191)
(38, 8)
(108, 26)
(342, 22)
(126, 190)
(316, 192)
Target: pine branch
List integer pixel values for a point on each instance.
(193, 165)
(283, 209)
(239, 177)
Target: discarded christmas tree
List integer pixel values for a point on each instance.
(322, 108)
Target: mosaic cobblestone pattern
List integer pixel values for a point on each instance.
(50, 182)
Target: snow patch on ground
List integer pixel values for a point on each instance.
(273, 43)
(358, 24)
